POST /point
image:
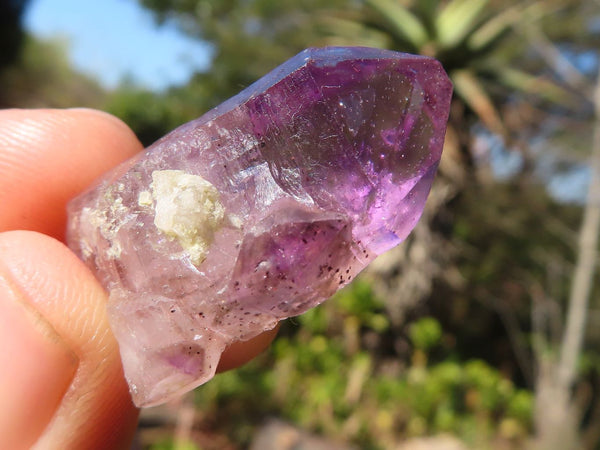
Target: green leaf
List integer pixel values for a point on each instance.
(534, 85)
(405, 23)
(470, 89)
(492, 29)
(457, 20)
(427, 10)
(343, 31)
(516, 16)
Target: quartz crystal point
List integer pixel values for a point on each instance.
(260, 209)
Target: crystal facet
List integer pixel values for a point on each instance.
(260, 209)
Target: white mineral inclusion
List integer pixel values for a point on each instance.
(187, 208)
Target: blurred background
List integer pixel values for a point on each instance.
(482, 330)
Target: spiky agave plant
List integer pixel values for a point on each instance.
(474, 39)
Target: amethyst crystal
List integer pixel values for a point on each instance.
(260, 209)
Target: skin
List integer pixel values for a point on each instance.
(61, 382)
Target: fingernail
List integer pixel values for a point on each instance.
(36, 369)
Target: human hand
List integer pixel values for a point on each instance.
(61, 380)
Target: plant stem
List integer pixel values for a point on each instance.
(586, 261)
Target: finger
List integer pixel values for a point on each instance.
(30, 348)
(49, 156)
(239, 353)
(34, 196)
(75, 353)
(96, 409)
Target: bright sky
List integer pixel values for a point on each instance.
(111, 39)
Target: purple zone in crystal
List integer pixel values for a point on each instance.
(317, 168)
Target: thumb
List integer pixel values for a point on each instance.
(63, 386)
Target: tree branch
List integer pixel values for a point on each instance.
(586, 261)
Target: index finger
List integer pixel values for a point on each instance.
(48, 156)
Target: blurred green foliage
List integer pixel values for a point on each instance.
(152, 114)
(42, 76)
(168, 444)
(321, 375)
(425, 333)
